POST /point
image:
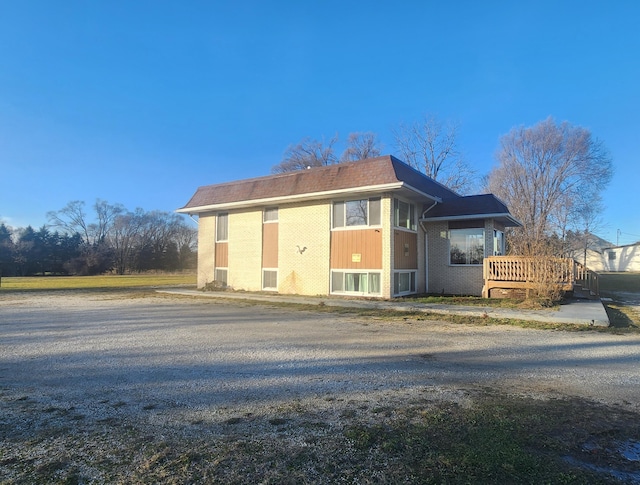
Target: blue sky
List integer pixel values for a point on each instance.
(140, 102)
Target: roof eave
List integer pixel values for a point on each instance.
(510, 221)
(369, 189)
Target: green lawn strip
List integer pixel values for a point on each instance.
(94, 282)
(612, 282)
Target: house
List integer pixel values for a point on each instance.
(614, 258)
(372, 228)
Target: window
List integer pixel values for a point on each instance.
(220, 276)
(498, 243)
(269, 279)
(270, 214)
(612, 256)
(404, 282)
(222, 227)
(362, 212)
(466, 246)
(355, 282)
(404, 214)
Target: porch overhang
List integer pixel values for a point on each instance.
(506, 220)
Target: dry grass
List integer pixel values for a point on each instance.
(495, 438)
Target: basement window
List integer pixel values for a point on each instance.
(269, 279)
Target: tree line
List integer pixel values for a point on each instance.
(551, 175)
(429, 145)
(109, 238)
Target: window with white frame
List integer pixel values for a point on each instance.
(270, 214)
(355, 282)
(404, 282)
(269, 279)
(404, 214)
(222, 227)
(353, 213)
(466, 246)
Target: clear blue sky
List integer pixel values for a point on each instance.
(140, 102)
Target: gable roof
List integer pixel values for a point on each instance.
(370, 175)
(471, 207)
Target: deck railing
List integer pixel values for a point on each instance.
(510, 272)
(587, 279)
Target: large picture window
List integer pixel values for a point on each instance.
(361, 282)
(404, 214)
(466, 246)
(353, 213)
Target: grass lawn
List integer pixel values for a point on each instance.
(614, 282)
(94, 282)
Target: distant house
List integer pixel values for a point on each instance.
(372, 228)
(614, 258)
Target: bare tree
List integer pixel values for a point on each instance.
(361, 146)
(72, 218)
(308, 153)
(543, 174)
(105, 216)
(431, 146)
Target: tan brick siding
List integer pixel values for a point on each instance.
(245, 250)
(308, 272)
(206, 248)
(300, 226)
(386, 217)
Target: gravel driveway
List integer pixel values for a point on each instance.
(179, 360)
(134, 387)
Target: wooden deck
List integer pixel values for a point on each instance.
(518, 272)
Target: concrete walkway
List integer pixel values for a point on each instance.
(581, 312)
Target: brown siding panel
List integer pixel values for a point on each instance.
(270, 245)
(222, 255)
(349, 246)
(406, 250)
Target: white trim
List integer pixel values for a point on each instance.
(415, 281)
(353, 192)
(499, 215)
(359, 271)
(426, 263)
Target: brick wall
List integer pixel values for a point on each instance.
(443, 277)
(300, 226)
(245, 250)
(206, 248)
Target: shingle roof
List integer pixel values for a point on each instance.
(380, 171)
(471, 206)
